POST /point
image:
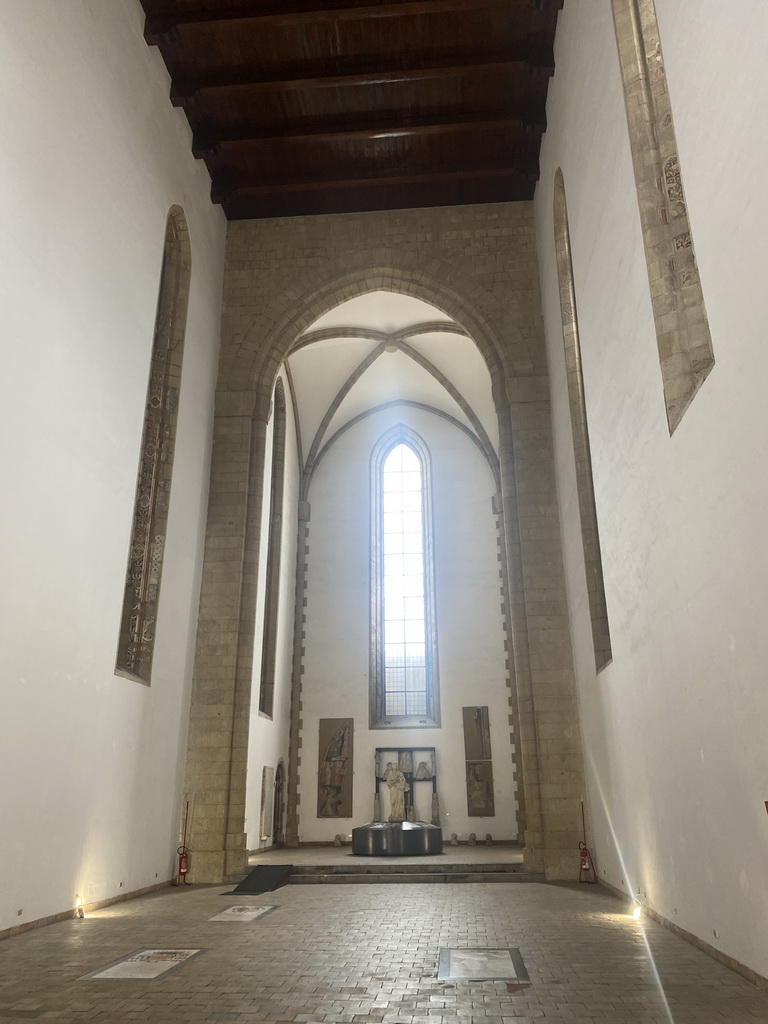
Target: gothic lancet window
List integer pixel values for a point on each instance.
(145, 560)
(403, 637)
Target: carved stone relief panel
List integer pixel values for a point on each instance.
(267, 801)
(479, 767)
(334, 773)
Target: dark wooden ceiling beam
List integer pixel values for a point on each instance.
(344, 132)
(358, 73)
(520, 170)
(164, 19)
(308, 204)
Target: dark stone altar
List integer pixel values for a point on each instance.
(396, 839)
(402, 835)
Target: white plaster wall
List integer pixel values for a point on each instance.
(674, 728)
(268, 737)
(469, 624)
(93, 157)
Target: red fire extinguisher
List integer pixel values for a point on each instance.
(586, 866)
(586, 861)
(183, 853)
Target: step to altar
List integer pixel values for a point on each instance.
(362, 873)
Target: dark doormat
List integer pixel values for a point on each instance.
(266, 878)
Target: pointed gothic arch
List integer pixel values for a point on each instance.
(252, 356)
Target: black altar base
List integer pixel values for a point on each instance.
(396, 839)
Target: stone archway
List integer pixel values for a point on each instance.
(259, 331)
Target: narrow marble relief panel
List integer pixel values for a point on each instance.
(267, 801)
(480, 789)
(334, 773)
(479, 767)
(274, 552)
(682, 331)
(477, 734)
(147, 546)
(582, 452)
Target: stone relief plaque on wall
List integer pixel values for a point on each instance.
(480, 789)
(479, 767)
(477, 734)
(267, 801)
(334, 773)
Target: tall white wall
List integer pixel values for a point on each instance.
(674, 728)
(268, 736)
(469, 624)
(93, 157)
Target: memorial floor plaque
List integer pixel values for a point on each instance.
(148, 964)
(481, 965)
(243, 914)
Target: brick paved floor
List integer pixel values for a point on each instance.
(354, 954)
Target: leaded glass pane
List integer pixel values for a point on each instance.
(405, 674)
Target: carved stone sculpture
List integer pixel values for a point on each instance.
(398, 787)
(334, 796)
(435, 809)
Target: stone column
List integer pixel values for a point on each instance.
(526, 745)
(551, 751)
(217, 745)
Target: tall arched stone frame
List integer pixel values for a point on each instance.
(274, 552)
(550, 779)
(136, 642)
(582, 453)
(685, 348)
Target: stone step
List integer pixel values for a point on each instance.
(363, 866)
(407, 877)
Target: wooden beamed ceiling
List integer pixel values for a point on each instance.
(301, 107)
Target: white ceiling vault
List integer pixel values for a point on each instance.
(384, 349)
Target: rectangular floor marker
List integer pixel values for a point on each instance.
(481, 965)
(242, 913)
(144, 963)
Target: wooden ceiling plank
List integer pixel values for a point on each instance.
(542, 62)
(202, 144)
(521, 170)
(163, 19)
(491, 190)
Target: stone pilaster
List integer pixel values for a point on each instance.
(294, 741)
(218, 724)
(550, 740)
